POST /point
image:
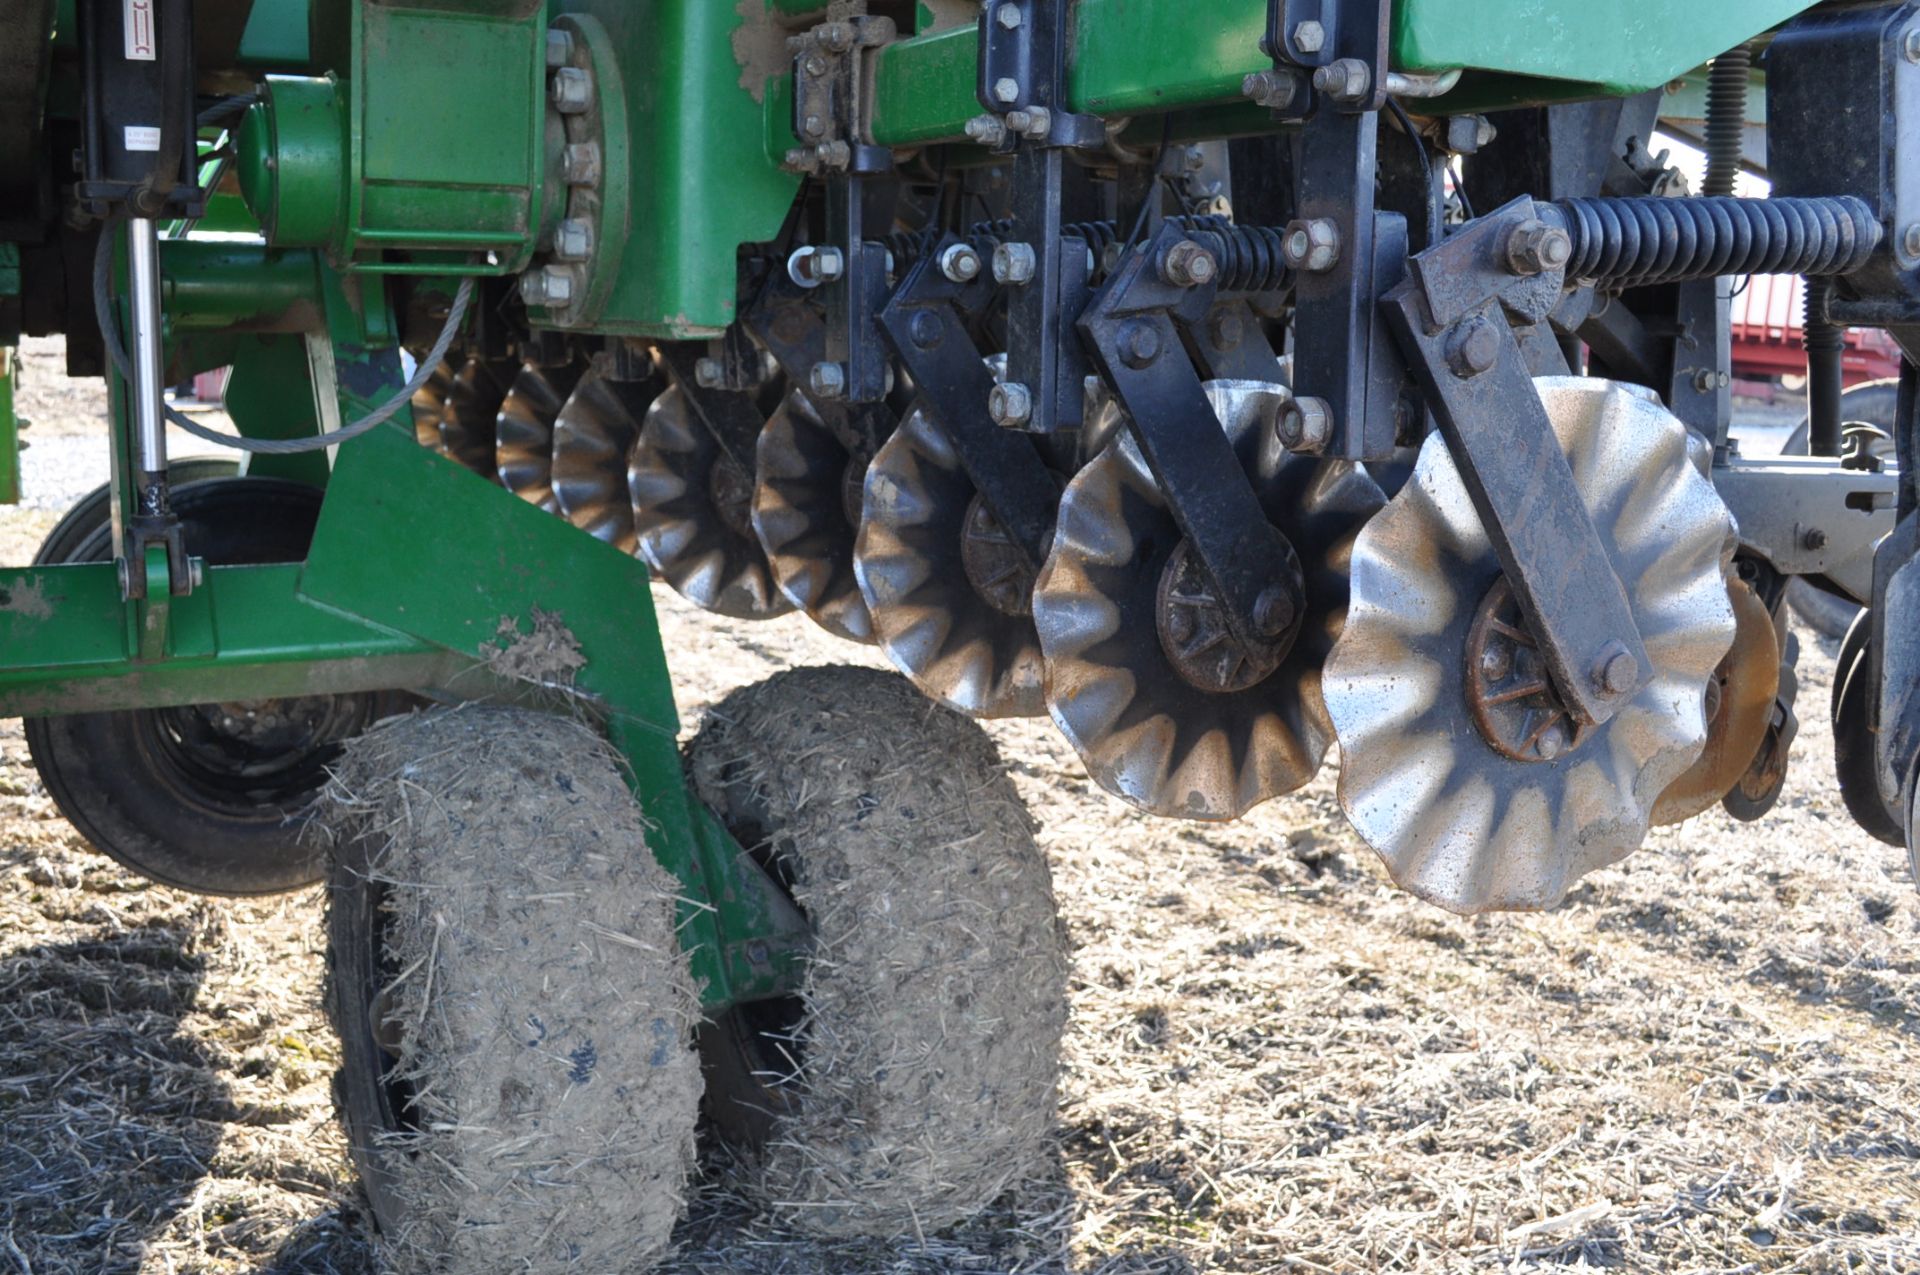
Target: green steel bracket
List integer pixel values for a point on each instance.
(9, 431)
(270, 394)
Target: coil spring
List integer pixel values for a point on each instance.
(1633, 242)
(1250, 257)
(1726, 119)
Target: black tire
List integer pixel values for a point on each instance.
(1853, 761)
(913, 1081)
(202, 798)
(516, 1073)
(91, 512)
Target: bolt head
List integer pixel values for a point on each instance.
(827, 380)
(815, 65)
(559, 48)
(1014, 264)
(960, 263)
(1910, 47)
(1814, 539)
(573, 239)
(925, 329)
(1273, 611)
(1910, 239)
(829, 264)
(709, 374)
(987, 130)
(1227, 330)
(572, 90)
(1309, 37)
(1535, 248)
(813, 126)
(1616, 671)
(1473, 347)
(1188, 265)
(1552, 742)
(1139, 344)
(1344, 79)
(1274, 90)
(1008, 16)
(1010, 404)
(1006, 89)
(550, 286)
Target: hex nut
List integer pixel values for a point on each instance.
(709, 373)
(1031, 121)
(1309, 37)
(572, 90)
(580, 163)
(1006, 89)
(1305, 425)
(1910, 46)
(827, 380)
(573, 239)
(1344, 79)
(1274, 90)
(1910, 239)
(559, 48)
(1014, 264)
(960, 263)
(1311, 245)
(1188, 265)
(550, 286)
(1008, 16)
(1010, 404)
(987, 130)
(833, 155)
(1535, 248)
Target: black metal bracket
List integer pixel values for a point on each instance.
(926, 323)
(1454, 317)
(1349, 36)
(791, 323)
(1133, 332)
(733, 417)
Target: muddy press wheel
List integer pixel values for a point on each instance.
(913, 1080)
(515, 1018)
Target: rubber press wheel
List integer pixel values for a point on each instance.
(517, 1077)
(200, 797)
(1853, 751)
(912, 1080)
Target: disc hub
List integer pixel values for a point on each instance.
(732, 492)
(1514, 704)
(1192, 622)
(993, 563)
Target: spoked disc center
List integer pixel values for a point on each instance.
(1192, 621)
(1514, 704)
(993, 563)
(732, 491)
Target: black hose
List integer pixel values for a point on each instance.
(1726, 119)
(1824, 341)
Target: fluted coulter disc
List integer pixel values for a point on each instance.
(806, 511)
(1459, 765)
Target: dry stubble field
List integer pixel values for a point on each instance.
(1703, 1062)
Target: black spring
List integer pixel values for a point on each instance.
(1726, 119)
(1624, 243)
(1250, 257)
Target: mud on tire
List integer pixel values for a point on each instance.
(517, 1080)
(913, 1081)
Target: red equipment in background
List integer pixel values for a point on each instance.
(1767, 315)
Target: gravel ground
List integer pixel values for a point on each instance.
(1703, 1062)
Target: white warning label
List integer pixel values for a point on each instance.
(139, 29)
(142, 137)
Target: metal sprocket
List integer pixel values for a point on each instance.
(1142, 677)
(806, 510)
(692, 512)
(1457, 822)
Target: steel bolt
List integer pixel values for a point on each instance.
(1139, 344)
(1496, 663)
(1010, 404)
(573, 239)
(1616, 671)
(1008, 16)
(1188, 265)
(1813, 539)
(815, 65)
(1473, 347)
(1305, 425)
(1535, 248)
(1006, 89)
(709, 374)
(827, 380)
(1013, 263)
(1031, 121)
(828, 264)
(1911, 45)
(1910, 239)
(1273, 611)
(1226, 330)
(834, 155)
(1312, 246)
(813, 126)
(837, 37)
(572, 90)
(987, 130)
(1344, 80)
(1552, 740)
(559, 48)
(960, 263)
(925, 329)
(580, 164)
(1309, 37)
(550, 286)
(1181, 626)
(1193, 158)
(1274, 90)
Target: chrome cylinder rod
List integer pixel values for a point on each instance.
(149, 422)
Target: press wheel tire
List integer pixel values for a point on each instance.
(91, 512)
(912, 1082)
(173, 794)
(1853, 761)
(517, 1079)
